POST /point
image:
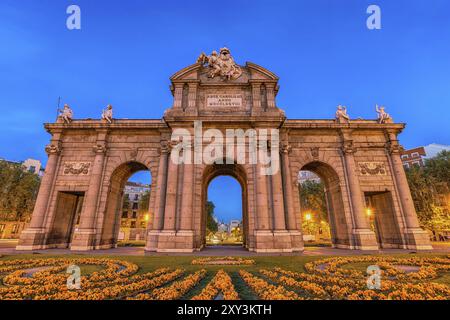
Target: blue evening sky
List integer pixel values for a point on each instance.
(127, 50)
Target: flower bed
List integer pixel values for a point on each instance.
(267, 291)
(402, 278)
(174, 291)
(223, 261)
(396, 284)
(115, 281)
(220, 284)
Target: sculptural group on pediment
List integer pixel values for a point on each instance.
(221, 64)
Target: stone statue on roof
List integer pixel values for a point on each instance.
(221, 64)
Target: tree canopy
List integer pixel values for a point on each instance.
(430, 186)
(211, 224)
(144, 202)
(18, 191)
(312, 199)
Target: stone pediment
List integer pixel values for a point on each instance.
(217, 85)
(197, 72)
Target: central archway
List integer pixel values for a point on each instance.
(237, 172)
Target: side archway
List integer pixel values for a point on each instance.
(114, 203)
(337, 218)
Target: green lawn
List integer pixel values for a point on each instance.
(150, 263)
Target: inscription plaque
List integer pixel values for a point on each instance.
(224, 100)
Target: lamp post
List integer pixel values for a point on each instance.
(370, 216)
(308, 222)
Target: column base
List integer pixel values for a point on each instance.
(277, 241)
(170, 241)
(105, 246)
(417, 239)
(297, 241)
(32, 239)
(83, 240)
(365, 239)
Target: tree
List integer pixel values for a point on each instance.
(430, 187)
(144, 202)
(18, 191)
(211, 224)
(439, 168)
(423, 192)
(312, 198)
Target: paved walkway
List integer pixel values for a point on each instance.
(8, 248)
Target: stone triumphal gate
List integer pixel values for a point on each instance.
(80, 198)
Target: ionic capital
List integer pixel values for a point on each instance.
(165, 147)
(53, 148)
(99, 148)
(393, 147)
(285, 148)
(348, 147)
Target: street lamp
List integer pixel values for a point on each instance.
(308, 216)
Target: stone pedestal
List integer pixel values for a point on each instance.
(274, 241)
(166, 241)
(364, 239)
(170, 241)
(32, 239)
(282, 241)
(297, 241)
(184, 241)
(417, 239)
(152, 240)
(83, 240)
(263, 241)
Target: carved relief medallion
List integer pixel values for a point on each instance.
(76, 168)
(372, 168)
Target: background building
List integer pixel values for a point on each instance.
(222, 227)
(308, 176)
(416, 156)
(33, 166)
(134, 217)
(29, 165)
(233, 225)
